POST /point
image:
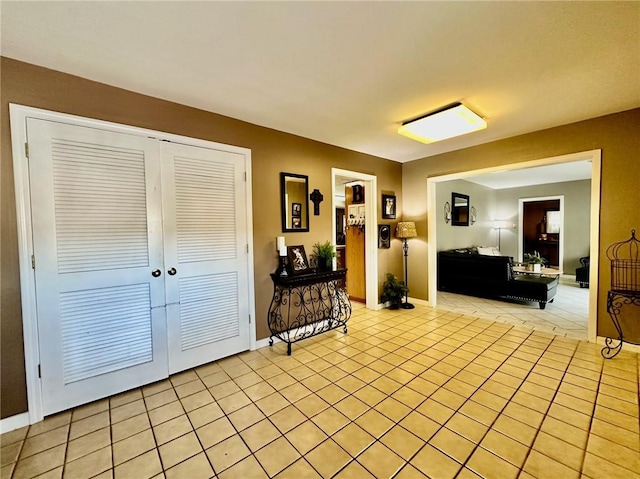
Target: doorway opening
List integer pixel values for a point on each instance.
(541, 229)
(433, 209)
(363, 224)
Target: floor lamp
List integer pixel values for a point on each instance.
(500, 225)
(405, 230)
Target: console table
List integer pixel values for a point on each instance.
(306, 305)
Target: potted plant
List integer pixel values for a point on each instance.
(393, 290)
(534, 261)
(323, 253)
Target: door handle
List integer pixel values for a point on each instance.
(156, 272)
(172, 271)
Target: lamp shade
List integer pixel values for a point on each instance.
(500, 224)
(406, 229)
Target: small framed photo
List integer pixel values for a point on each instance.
(296, 222)
(296, 210)
(389, 207)
(298, 263)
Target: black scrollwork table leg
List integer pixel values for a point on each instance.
(306, 305)
(615, 301)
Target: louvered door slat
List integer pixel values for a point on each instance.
(208, 309)
(99, 191)
(205, 212)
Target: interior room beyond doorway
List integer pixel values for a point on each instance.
(590, 159)
(354, 219)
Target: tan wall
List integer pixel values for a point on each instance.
(483, 199)
(616, 135)
(272, 153)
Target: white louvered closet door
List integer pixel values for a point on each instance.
(96, 203)
(206, 258)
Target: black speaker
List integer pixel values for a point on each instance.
(384, 236)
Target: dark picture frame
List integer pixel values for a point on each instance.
(294, 188)
(384, 236)
(296, 222)
(389, 207)
(298, 262)
(296, 210)
(460, 209)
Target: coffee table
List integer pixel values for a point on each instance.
(522, 269)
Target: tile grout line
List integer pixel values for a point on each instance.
(538, 429)
(477, 445)
(441, 426)
(592, 417)
(442, 348)
(377, 440)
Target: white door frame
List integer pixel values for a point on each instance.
(370, 230)
(521, 202)
(595, 156)
(18, 116)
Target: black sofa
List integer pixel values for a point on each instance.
(465, 271)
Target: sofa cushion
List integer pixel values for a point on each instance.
(489, 251)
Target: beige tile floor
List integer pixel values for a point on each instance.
(405, 394)
(567, 316)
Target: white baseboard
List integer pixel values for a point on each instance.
(411, 300)
(421, 302)
(14, 422)
(630, 348)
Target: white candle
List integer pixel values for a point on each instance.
(281, 247)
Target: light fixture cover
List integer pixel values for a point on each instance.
(406, 229)
(453, 120)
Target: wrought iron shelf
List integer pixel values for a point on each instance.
(625, 288)
(307, 305)
(615, 301)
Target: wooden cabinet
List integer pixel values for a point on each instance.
(535, 231)
(355, 254)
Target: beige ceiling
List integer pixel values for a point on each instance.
(348, 73)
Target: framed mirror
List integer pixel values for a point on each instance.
(459, 209)
(294, 194)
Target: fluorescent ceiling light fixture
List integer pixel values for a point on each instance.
(453, 120)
